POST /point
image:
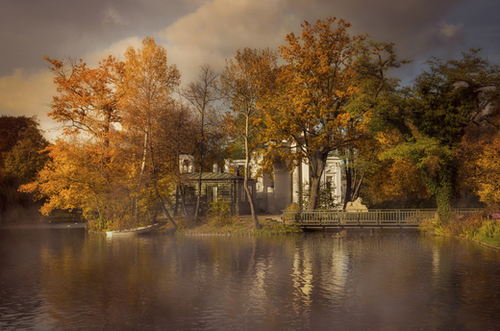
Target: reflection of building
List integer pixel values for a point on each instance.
(215, 186)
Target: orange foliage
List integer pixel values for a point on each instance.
(87, 99)
(397, 180)
(488, 165)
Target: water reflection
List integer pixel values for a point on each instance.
(67, 279)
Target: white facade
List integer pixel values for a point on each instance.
(287, 187)
(186, 163)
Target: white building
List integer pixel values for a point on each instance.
(275, 195)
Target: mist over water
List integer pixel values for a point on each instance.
(62, 279)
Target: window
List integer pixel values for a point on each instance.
(212, 193)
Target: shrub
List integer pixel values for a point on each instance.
(219, 212)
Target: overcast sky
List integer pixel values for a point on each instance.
(196, 32)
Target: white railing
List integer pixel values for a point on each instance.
(379, 217)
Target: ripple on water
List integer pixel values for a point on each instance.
(63, 280)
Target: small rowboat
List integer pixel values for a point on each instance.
(129, 232)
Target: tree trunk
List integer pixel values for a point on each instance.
(314, 192)
(348, 186)
(97, 206)
(198, 198)
(318, 162)
(245, 181)
(141, 177)
(358, 187)
(441, 183)
(171, 221)
(183, 202)
(444, 195)
(176, 207)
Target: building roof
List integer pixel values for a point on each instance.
(211, 176)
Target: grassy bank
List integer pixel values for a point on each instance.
(231, 225)
(477, 226)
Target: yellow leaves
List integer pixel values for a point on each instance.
(147, 83)
(389, 138)
(87, 100)
(319, 78)
(397, 180)
(489, 169)
(244, 83)
(343, 120)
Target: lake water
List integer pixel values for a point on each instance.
(66, 279)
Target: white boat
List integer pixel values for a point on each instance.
(129, 232)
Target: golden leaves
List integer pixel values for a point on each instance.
(87, 100)
(489, 172)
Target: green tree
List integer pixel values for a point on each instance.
(21, 157)
(433, 115)
(16, 128)
(27, 157)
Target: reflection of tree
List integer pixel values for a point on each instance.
(105, 283)
(285, 282)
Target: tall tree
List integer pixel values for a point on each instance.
(176, 138)
(202, 95)
(116, 164)
(243, 83)
(433, 116)
(361, 130)
(148, 83)
(323, 74)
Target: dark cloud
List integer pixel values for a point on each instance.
(415, 26)
(32, 29)
(209, 31)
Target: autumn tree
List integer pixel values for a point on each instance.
(433, 116)
(73, 178)
(176, 138)
(488, 177)
(314, 108)
(21, 157)
(362, 132)
(148, 82)
(87, 107)
(21, 141)
(243, 84)
(87, 100)
(114, 164)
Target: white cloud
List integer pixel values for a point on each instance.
(451, 30)
(228, 25)
(29, 94)
(117, 50)
(217, 29)
(111, 15)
